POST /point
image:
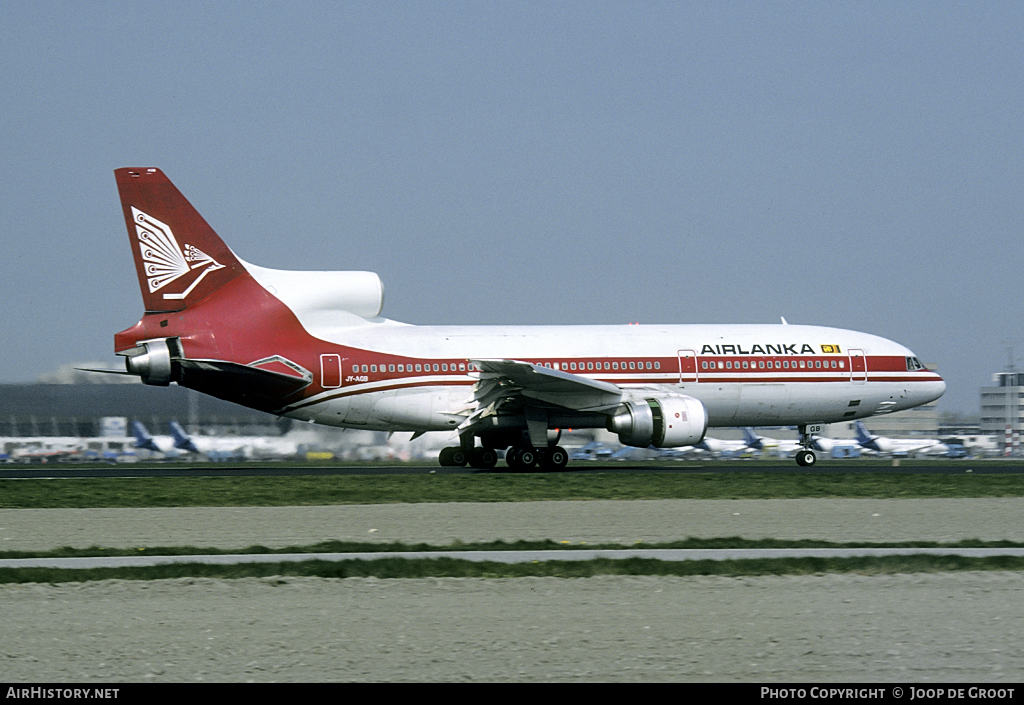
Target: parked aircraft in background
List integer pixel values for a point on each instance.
(766, 444)
(834, 445)
(45, 449)
(180, 443)
(977, 444)
(49, 449)
(899, 446)
(595, 450)
(144, 440)
(718, 446)
(311, 346)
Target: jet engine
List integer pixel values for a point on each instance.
(662, 422)
(151, 360)
(361, 293)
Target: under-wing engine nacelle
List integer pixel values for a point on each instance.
(151, 360)
(662, 422)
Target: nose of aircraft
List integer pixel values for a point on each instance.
(931, 389)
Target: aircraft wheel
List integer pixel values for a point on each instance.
(554, 459)
(452, 456)
(512, 458)
(483, 458)
(806, 458)
(527, 458)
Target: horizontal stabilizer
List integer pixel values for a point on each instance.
(105, 371)
(251, 386)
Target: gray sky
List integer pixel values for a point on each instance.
(855, 164)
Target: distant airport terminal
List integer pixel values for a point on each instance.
(78, 410)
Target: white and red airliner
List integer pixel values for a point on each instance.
(312, 346)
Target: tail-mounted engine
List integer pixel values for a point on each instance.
(663, 422)
(153, 360)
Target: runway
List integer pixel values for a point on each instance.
(256, 469)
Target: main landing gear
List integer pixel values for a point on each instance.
(525, 459)
(518, 458)
(457, 456)
(805, 457)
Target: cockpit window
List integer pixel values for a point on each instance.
(913, 364)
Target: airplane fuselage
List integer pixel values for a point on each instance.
(420, 375)
(383, 375)
(311, 346)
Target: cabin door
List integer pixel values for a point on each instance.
(687, 367)
(858, 367)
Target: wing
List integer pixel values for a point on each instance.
(504, 378)
(511, 383)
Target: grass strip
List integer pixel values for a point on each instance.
(394, 568)
(383, 489)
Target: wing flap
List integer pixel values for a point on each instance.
(504, 378)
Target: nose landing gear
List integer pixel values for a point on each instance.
(805, 457)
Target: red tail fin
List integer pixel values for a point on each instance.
(178, 256)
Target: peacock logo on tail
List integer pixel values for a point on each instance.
(166, 262)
